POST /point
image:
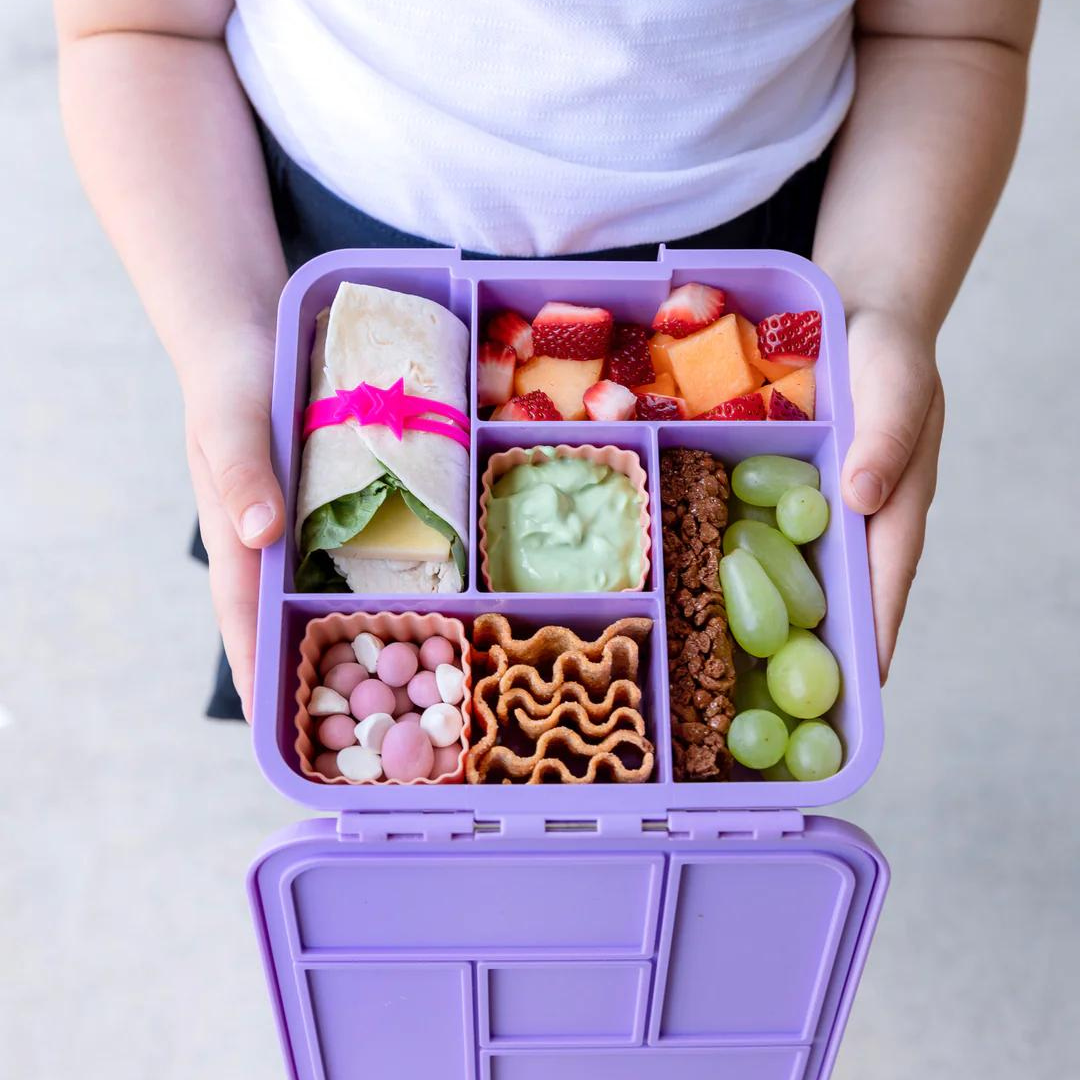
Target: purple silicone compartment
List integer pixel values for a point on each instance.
(494, 438)
(757, 283)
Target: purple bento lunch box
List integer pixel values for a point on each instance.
(656, 931)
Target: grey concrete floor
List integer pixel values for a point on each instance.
(127, 821)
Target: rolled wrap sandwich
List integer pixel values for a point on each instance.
(375, 513)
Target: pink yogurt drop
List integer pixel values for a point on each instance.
(403, 701)
(337, 731)
(407, 753)
(345, 678)
(326, 764)
(435, 651)
(371, 696)
(342, 653)
(423, 689)
(397, 663)
(446, 760)
(409, 718)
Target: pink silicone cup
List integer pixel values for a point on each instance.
(625, 461)
(321, 634)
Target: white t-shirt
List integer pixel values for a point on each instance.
(543, 127)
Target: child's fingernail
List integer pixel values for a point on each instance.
(868, 487)
(255, 520)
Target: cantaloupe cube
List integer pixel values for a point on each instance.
(658, 350)
(748, 338)
(773, 367)
(663, 384)
(564, 381)
(711, 366)
(799, 388)
(778, 367)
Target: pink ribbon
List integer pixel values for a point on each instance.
(392, 408)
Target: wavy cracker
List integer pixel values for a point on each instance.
(540, 707)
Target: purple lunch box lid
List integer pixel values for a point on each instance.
(411, 944)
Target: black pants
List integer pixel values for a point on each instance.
(313, 220)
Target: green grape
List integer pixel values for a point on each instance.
(778, 772)
(739, 511)
(803, 676)
(757, 738)
(813, 751)
(756, 612)
(752, 692)
(786, 567)
(802, 514)
(761, 480)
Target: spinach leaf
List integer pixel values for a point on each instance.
(336, 522)
(316, 573)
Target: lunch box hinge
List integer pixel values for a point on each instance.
(383, 828)
(716, 824)
(536, 826)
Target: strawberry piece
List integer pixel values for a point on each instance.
(607, 400)
(535, 405)
(570, 332)
(494, 374)
(689, 308)
(630, 363)
(510, 328)
(780, 408)
(744, 407)
(660, 407)
(796, 332)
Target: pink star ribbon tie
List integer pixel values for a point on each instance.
(391, 408)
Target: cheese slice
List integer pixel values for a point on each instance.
(395, 532)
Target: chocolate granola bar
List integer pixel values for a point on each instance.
(694, 490)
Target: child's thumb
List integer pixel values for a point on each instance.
(237, 452)
(893, 391)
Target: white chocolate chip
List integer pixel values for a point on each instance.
(451, 683)
(442, 723)
(371, 731)
(367, 648)
(326, 702)
(359, 763)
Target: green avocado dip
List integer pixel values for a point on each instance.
(564, 525)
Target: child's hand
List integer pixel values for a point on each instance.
(891, 469)
(902, 214)
(239, 501)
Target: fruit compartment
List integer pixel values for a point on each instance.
(838, 559)
(758, 284)
(632, 292)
